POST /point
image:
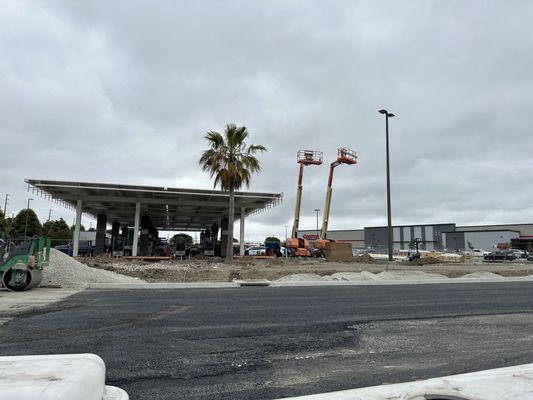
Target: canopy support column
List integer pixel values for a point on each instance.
(77, 227)
(241, 239)
(136, 229)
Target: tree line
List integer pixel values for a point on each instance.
(15, 227)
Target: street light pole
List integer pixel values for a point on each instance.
(389, 213)
(26, 226)
(317, 210)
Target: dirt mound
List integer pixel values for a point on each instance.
(364, 258)
(351, 276)
(407, 276)
(425, 261)
(482, 275)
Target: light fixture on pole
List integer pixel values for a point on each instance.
(27, 212)
(389, 213)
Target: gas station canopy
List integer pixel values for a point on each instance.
(168, 208)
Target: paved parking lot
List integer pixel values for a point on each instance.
(266, 343)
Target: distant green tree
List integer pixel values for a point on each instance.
(47, 228)
(92, 229)
(182, 237)
(19, 224)
(82, 229)
(58, 231)
(8, 227)
(271, 239)
(3, 223)
(235, 240)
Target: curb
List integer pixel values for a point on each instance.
(267, 283)
(399, 282)
(254, 282)
(165, 285)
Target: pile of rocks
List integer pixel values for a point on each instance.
(66, 272)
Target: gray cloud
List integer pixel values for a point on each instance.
(123, 92)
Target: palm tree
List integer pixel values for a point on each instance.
(231, 161)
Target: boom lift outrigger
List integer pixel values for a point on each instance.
(344, 156)
(300, 246)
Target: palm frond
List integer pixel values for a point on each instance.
(254, 148)
(214, 139)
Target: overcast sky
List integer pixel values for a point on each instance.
(123, 91)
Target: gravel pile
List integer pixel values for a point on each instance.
(364, 276)
(64, 271)
(352, 276)
(300, 278)
(482, 275)
(407, 276)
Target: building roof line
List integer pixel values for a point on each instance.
(193, 192)
(484, 230)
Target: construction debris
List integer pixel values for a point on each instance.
(364, 258)
(337, 251)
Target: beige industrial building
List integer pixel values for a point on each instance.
(441, 236)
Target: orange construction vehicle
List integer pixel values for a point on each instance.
(344, 156)
(300, 246)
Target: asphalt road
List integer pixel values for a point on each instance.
(267, 343)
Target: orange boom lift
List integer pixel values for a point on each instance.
(300, 246)
(344, 156)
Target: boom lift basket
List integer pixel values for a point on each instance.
(309, 157)
(346, 156)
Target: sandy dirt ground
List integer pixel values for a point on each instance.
(216, 270)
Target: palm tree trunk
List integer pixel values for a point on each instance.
(231, 220)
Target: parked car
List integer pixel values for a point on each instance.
(500, 255)
(519, 253)
(257, 251)
(237, 250)
(85, 248)
(478, 252)
(530, 257)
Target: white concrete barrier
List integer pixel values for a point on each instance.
(511, 383)
(56, 377)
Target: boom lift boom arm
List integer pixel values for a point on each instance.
(344, 156)
(304, 157)
(296, 223)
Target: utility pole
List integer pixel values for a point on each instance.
(49, 214)
(317, 210)
(5, 205)
(26, 226)
(389, 213)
